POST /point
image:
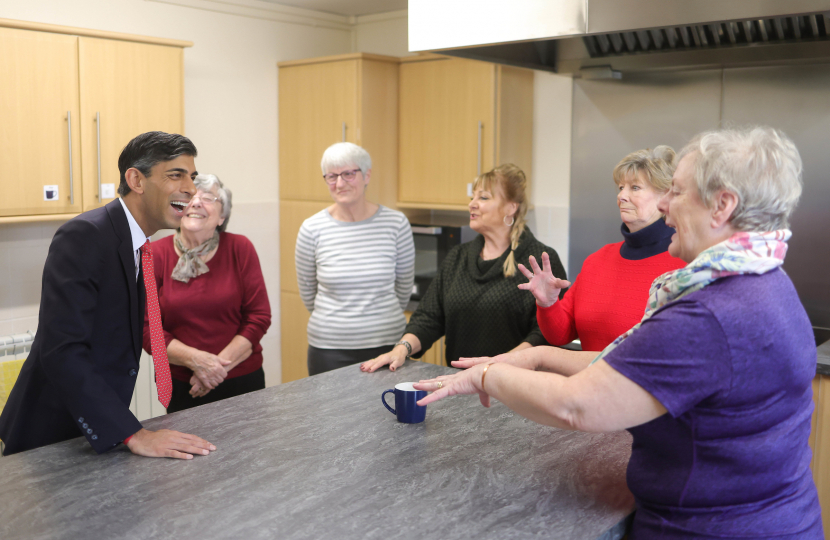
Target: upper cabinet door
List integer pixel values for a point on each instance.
(39, 122)
(318, 107)
(126, 89)
(447, 123)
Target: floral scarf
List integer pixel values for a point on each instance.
(742, 253)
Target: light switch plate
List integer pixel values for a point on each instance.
(50, 193)
(469, 190)
(107, 191)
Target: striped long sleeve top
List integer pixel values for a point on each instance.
(355, 278)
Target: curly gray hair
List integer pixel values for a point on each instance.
(760, 165)
(205, 182)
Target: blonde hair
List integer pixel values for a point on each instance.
(657, 164)
(512, 182)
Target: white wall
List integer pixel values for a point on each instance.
(230, 114)
(552, 105)
(385, 33)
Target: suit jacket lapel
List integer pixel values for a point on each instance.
(127, 256)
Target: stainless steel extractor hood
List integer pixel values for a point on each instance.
(605, 37)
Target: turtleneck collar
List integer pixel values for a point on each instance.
(647, 242)
(495, 270)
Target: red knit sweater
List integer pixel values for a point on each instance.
(208, 311)
(607, 298)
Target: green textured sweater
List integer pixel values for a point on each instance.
(481, 312)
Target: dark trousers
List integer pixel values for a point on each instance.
(236, 386)
(322, 360)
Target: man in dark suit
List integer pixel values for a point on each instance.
(80, 375)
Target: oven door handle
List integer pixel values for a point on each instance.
(435, 231)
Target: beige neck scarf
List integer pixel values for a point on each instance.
(190, 264)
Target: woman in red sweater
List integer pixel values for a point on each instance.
(214, 306)
(609, 295)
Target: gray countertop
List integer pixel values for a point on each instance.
(322, 458)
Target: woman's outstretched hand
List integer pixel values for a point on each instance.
(520, 358)
(465, 382)
(542, 283)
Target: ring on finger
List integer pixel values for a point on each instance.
(440, 385)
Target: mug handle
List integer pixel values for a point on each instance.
(383, 399)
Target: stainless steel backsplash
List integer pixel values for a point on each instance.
(613, 118)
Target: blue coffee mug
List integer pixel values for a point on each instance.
(406, 408)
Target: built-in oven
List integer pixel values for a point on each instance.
(433, 241)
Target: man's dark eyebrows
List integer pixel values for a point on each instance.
(177, 169)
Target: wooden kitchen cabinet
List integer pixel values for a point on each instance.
(39, 122)
(126, 89)
(351, 97)
(459, 118)
(317, 107)
(820, 444)
(56, 81)
(435, 354)
(292, 215)
(294, 337)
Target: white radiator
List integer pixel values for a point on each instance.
(16, 347)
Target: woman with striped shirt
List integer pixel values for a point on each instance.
(355, 267)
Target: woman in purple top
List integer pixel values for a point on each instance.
(714, 383)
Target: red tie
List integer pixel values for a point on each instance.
(160, 363)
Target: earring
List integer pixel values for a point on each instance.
(511, 220)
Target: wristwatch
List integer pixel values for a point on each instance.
(407, 345)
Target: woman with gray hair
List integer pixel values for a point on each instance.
(714, 383)
(355, 267)
(213, 302)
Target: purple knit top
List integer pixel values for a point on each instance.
(733, 365)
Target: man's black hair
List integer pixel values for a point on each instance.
(148, 149)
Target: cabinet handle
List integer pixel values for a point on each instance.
(98, 135)
(71, 178)
(478, 164)
(344, 131)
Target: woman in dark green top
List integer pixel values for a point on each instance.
(475, 300)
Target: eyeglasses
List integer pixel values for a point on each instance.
(348, 176)
(205, 198)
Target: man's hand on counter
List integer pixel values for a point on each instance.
(168, 443)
